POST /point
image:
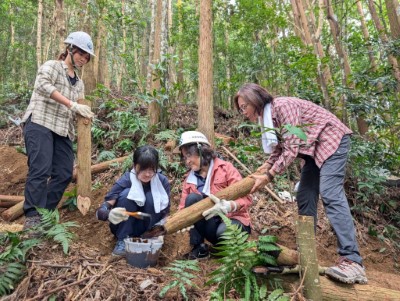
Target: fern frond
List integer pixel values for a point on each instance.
(11, 274)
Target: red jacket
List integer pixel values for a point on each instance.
(223, 174)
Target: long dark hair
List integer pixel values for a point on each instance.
(255, 95)
(146, 157)
(200, 149)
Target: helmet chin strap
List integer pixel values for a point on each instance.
(72, 56)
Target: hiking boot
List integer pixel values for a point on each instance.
(30, 225)
(119, 249)
(198, 252)
(347, 271)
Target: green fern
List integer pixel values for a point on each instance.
(236, 263)
(166, 135)
(180, 272)
(106, 155)
(10, 274)
(52, 229)
(268, 251)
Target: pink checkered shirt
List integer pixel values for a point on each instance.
(323, 129)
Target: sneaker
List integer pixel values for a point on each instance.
(198, 252)
(30, 225)
(347, 271)
(119, 249)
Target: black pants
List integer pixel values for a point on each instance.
(50, 162)
(211, 229)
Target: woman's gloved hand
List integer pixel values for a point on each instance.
(221, 206)
(103, 211)
(117, 215)
(82, 110)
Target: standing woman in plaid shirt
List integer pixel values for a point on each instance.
(325, 155)
(48, 126)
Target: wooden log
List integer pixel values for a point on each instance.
(83, 169)
(16, 211)
(190, 215)
(13, 212)
(308, 258)
(336, 291)
(7, 201)
(97, 168)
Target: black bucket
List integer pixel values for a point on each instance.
(143, 253)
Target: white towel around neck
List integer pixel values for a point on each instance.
(192, 179)
(136, 193)
(268, 137)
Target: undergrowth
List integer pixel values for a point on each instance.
(16, 247)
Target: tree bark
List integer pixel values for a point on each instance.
(381, 31)
(154, 107)
(308, 258)
(393, 8)
(336, 291)
(205, 94)
(39, 34)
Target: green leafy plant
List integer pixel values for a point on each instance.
(71, 202)
(52, 228)
(181, 274)
(15, 247)
(238, 256)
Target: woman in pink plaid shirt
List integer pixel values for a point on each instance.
(325, 155)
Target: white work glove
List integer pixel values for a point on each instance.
(221, 206)
(187, 229)
(82, 110)
(117, 215)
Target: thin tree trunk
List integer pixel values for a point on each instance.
(154, 107)
(365, 32)
(39, 33)
(393, 11)
(12, 42)
(121, 68)
(205, 94)
(381, 30)
(180, 77)
(153, 8)
(61, 30)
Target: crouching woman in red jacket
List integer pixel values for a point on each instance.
(208, 174)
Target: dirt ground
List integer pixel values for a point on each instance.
(104, 277)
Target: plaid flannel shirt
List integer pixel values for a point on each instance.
(52, 75)
(323, 129)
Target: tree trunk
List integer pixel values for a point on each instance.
(365, 32)
(121, 69)
(39, 34)
(308, 258)
(393, 10)
(61, 31)
(154, 107)
(381, 30)
(205, 94)
(100, 70)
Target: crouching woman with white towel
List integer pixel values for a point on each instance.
(143, 189)
(208, 174)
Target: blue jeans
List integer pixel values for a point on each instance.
(328, 181)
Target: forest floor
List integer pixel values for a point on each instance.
(89, 272)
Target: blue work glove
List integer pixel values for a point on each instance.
(103, 211)
(221, 206)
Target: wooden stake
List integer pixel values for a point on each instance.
(308, 258)
(84, 176)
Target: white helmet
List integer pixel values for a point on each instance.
(192, 137)
(81, 40)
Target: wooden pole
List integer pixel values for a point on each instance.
(13, 212)
(308, 258)
(10, 200)
(84, 176)
(271, 193)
